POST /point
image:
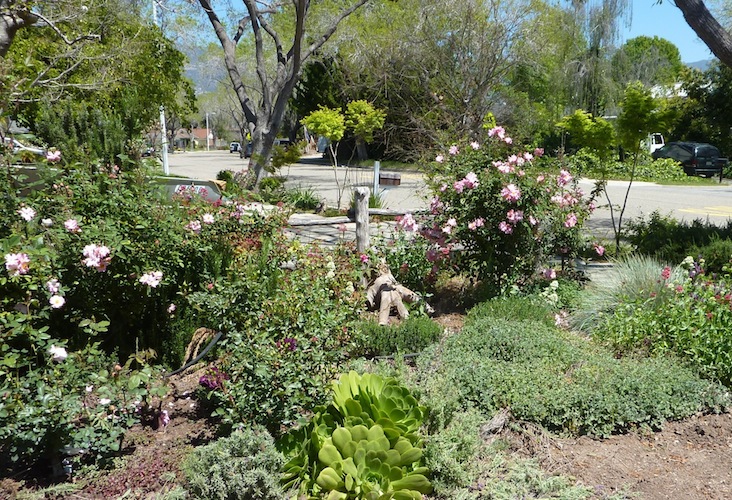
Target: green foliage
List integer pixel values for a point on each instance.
(288, 330)
(365, 444)
(326, 122)
(653, 61)
(690, 319)
(409, 256)
(557, 380)
(528, 307)
(670, 240)
(640, 116)
(507, 212)
(717, 254)
(587, 131)
(363, 119)
(302, 198)
(411, 335)
(99, 94)
(242, 466)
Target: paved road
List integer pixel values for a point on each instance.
(712, 203)
(311, 172)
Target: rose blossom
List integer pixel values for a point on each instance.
(515, 216)
(454, 150)
(27, 213)
(505, 227)
(439, 158)
(58, 354)
(17, 263)
(194, 226)
(407, 223)
(53, 156)
(511, 193)
(56, 301)
(571, 220)
(479, 222)
(72, 226)
(53, 285)
(97, 257)
(474, 145)
(208, 219)
(151, 279)
(564, 178)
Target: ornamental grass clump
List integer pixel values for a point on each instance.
(365, 444)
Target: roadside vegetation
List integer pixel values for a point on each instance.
(106, 281)
(112, 291)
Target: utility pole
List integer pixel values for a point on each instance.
(164, 141)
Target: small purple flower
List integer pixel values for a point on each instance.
(288, 343)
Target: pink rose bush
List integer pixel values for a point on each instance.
(508, 210)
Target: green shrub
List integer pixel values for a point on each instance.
(691, 320)
(524, 307)
(411, 335)
(364, 444)
(302, 198)
(508, 211)
(410, 257)
(556, 380)
(287, 330)
(243, 466)
(669, 240)
(716, 254)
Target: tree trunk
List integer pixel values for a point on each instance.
(705, 25)
(361, 151)
(11, 20)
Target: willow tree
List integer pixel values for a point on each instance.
(284, 35)
(596, 23)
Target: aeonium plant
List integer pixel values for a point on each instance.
(500, 211)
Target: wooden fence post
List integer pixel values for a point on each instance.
(362, 219)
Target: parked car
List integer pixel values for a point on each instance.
(234, 147)
(246, 151)
(697, 158)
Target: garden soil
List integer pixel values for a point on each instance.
(689, 460)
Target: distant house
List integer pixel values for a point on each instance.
(195, 138)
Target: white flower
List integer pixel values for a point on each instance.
(89, 388)
(57, 301)
(208, 219)
(171, 308)
(27, 213)
(58, 354)
(46, 222)
(105, 401)
(151, 279)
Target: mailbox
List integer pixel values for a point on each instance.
(389, 179)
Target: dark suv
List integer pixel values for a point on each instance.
(697, 158)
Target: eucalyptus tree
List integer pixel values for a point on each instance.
(708, 28)
(284, 36)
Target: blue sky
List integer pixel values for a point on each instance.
(666, 21)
